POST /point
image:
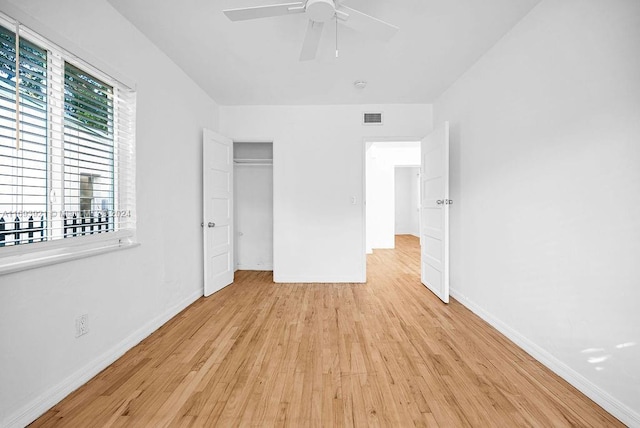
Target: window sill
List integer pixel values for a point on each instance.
(37, 259)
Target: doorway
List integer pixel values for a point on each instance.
(407, 200)
(253, 205)
(382, 160)
(433, 242)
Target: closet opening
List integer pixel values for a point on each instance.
(253, 205)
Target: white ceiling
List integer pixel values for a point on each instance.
(256, 62)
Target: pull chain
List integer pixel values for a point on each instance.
(336, 35)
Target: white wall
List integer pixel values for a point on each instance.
(127, 294)
(382, 159)
(545, 230)
(406, 201)
(318, 169)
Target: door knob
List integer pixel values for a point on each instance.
(211, 224)
(439, 202)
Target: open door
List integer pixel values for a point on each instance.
(435, 202)
(217, 175)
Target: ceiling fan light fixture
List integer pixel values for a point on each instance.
(360, 84)
(320, 10)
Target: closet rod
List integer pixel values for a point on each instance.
(253, 163)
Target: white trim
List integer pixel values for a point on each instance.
(364, 250)
(252, 140)
(83, 241)
(612, 405)
(62, 256)
(392, 139)
(318, 279)
(31, 411)
(365, 141)
(28, 256)
(258, 267)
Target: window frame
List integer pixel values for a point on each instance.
(15, 258)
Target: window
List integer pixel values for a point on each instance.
(23, 149)
(88, 153)
(66, 151)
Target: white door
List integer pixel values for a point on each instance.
(217, 175)
(435, 203)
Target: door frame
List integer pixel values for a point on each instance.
(365, 142)
(235, 141)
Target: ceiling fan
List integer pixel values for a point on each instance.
(318, 12)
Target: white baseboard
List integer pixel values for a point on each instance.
(32, 410)
(254, 267)
(306, 279)
(621, 411)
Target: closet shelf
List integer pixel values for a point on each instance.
(253, 161)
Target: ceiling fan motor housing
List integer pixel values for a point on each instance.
(320, 10)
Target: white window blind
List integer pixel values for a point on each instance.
(23, 148)
(88, 148)
(67, 155)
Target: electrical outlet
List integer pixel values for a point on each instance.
(82, 325)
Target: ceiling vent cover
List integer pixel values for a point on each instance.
(372, 118)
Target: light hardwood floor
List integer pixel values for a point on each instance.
(385, 353)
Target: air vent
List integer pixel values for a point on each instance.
(372, 118)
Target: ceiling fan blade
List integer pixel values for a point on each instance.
(246, 13)
(368, 24)
(311, 40)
